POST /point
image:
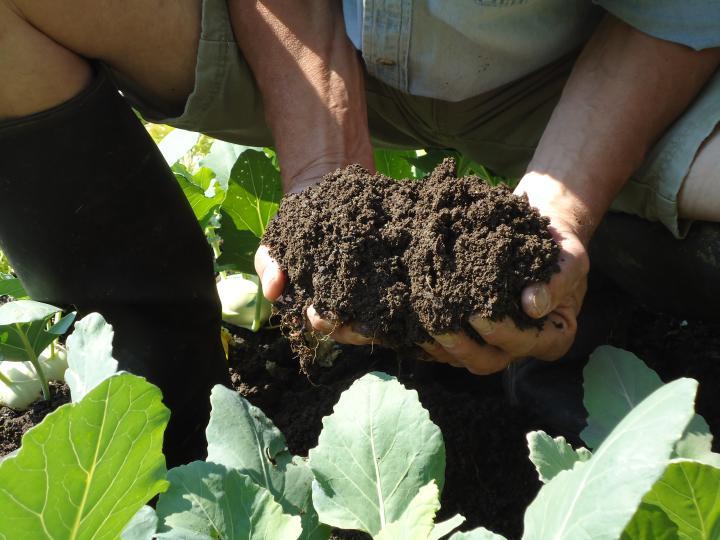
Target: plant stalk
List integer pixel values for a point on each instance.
(6, 381)
(35, 362)
(257, 323)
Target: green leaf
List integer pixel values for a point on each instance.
(176, 144)
(552, 456)
(375, 452)
(616, 381)
(208, 501)
(12, 287)
(89, 355)
(254, 192)
(689, 493)
(242, 438)
(444, 528)
(650, 523)
(477, 534)
(142, 526)
(63, 325)
(221, 160)
(597, 498)
(394, 163)
(25, 311)
(23, 320)
(87, 469)
(202, 205)
(238, 247)
(418, 520)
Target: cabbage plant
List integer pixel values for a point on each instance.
(88, 470)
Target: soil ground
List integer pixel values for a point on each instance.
(489, 478)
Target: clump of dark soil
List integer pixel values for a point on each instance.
(14, 424)
(404, 259)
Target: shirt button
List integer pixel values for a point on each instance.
(385, 62)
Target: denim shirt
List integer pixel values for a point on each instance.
(456, 49)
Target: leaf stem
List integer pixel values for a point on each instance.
(257, 322)
(5, 380)
(34, 361)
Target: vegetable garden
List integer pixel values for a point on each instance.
(368, 441)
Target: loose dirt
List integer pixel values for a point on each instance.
(400, 260)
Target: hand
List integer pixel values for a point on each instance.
(559, 300)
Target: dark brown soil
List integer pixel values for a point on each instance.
(489, 478)
(401, 259)
(13, 424)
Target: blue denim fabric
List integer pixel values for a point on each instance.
(453, 50)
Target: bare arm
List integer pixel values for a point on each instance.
(625, 89)
(311, 82)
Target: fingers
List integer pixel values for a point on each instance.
(460, 350)
(271, 277)
(338, 332)
(539, 299)
(549, 343)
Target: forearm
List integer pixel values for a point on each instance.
(311, 82)
(625, 89)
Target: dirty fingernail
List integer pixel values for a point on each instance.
(446, 340)
(482, 326)
(540, 301)
(318, 323)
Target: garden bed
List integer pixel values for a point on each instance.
(489, 477)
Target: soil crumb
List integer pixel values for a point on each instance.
(14, 424)
(404, 259)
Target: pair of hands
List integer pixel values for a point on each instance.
(559, 300)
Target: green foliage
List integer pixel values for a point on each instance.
(242, 438)
(368, 465)
(89, 466)
(208, 501)
(11, 286)
(5, 268)
(552, 456)
(25, 332)
(142, 526)
(90, 358)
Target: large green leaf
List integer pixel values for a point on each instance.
(477, 534)
(176, 144)
(238, 246)
(11, 286)
(23, 333)
(418, 520)
(394, 163)
(87, 469)
(89, 355)
(142, 526)
(221, 160)
(376, 451)
(689, 493)
(616, 381)
(203, 201)
(242, 438)
(597, 498)
(208, 501)
(650, 523)
(254, 192)
(552, 456)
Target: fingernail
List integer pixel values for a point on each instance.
(540, 301)
(446, 340)
(482, 325)
(320, 324)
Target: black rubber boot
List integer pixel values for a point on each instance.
(92, 217)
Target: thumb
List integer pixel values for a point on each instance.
(271, 277)
(539, 299)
